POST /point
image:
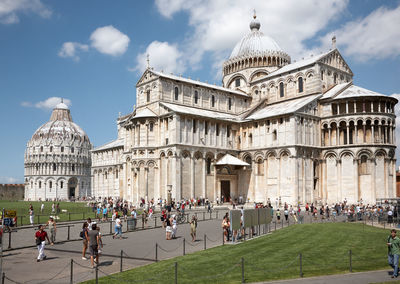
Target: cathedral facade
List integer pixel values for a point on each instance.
(295, 132)
(58, 159)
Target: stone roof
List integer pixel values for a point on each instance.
(113, 144)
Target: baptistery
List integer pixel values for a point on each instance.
(57, 159)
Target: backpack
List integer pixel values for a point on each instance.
(82, 234)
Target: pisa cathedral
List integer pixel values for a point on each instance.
(275, 130)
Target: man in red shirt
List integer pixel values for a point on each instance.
(40, 237)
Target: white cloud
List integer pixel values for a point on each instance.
(9, 180)
(219, 25)
(163, 56)
(69, 49)
(376, 36)
(47, 104)
(10, 8)
(109, 40)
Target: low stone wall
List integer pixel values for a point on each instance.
(12, 191)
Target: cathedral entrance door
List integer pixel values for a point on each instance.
(226, 190)
(71, 192)
(72, 185)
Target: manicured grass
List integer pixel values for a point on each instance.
(324, 248)
(77, 210)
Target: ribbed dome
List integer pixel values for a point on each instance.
(60, 128)
(255, 43)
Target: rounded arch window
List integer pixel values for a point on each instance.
(281, 90)
(176, 92)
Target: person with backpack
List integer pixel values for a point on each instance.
(84, 236)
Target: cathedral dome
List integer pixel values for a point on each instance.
(255, 43)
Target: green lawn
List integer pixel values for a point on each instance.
(324, 248)
(77, 210)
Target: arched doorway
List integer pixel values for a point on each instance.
(72, 188)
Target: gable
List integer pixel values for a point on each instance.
(335, 59)
(146, 77)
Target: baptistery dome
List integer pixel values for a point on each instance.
(57, 159)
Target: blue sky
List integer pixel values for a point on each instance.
(92, 53)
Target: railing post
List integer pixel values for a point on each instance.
(3, 278)
(243, 280)
(351, 265)
(301, 265)
(38, 219)
(71, 279)
(120, 265)
(205, 242)
(155, 222)
(68, 232)
(9, 239)
(110, 227)
(156, 252)
(97, 275)
(176, 273)
(184, 246)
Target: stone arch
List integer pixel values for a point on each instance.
(151, 163)
(258, 155)
(346, 152)
(198, 155)
(162, 154)
(364, 152)
(141, 164)
(380, 152)
(210, 155)
(257, 72)
(330, 153)
(233, 78)
(185, 154)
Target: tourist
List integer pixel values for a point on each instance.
(118, 227)
(31, 215)
(105, 211)
(53, 229)
(393, 243)
(53, 208)
(278, 214)
(40, 238)
(99, 251)
(125, 212)
(83, 235)
(168, 228)
(42, 208)
(134, 217)
(193, 227)
(90, 223)
(98, 213)
(225, 228)
(92, 238)
(58, 209)
(286, 213)
(174, 226)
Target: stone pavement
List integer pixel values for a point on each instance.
(21, 266)
(348, 278)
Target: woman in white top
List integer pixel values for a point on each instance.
(118, 228)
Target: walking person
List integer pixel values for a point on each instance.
(92, 238)
(168, 228)
(42, 208)
(40, 238)
(393, 243)
(193, 227)
(83, 234)
(31, 215)
(118, 228)
(51, 224)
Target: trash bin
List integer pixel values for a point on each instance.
(131, 223)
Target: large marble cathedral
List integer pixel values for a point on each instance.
(295, 132)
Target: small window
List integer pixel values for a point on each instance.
(194, 126)
(40, 184)
(228, 131)
(274, 135)
(116, 174)
(300, 82)
(217, 129)
(51, 149)
(54, 167)
(322, 75)
(151, 126)
(281, 120)
(105, 175)
(73, 168)
(176, 93)
(72, 149)
(213, 101)
(41, 148)
(148, 95)
(61, 184)
(334, 78)
(50, 184)
(196, 97)
(281, 90)
(208, 166)
(229, 103)
(62, 149)
(206, 127)
(237, 82)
